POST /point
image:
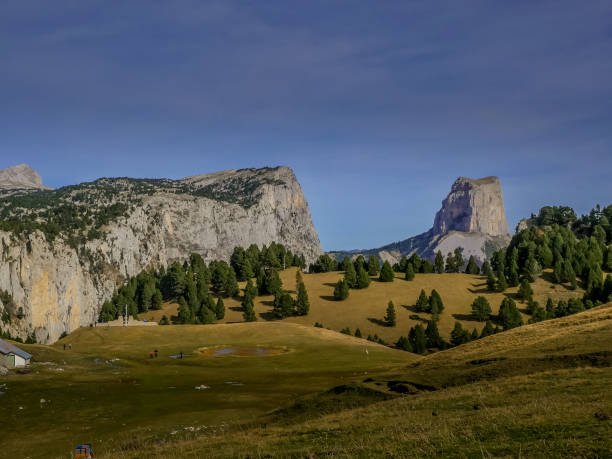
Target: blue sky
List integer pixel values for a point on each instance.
(377, 106)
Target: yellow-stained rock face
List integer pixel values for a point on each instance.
(43, 301)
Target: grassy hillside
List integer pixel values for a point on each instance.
(107, 390)
(365, 309)
(558, 405)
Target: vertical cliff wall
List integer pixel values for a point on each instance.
(59, 286)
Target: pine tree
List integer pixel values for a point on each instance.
(509, 315)
(363, 280)
(302, 305)
(513, 277)
(486, 269)
(450, 267)
(472, 267)
(422, 304)
(487, 330)
(350, 276)
(250, 289)
(474, 335)
(501, 282)
(427, 267)
(357, 333)
(433, 335)
(403, 343)
(459, 260)
(525, 291)
(439, 263)
(435, 303)
(248, 311)
(298, 279)
(459, 335)
(386, 273)
(550, 308)
(185, 315)
(284, 305)
(220, 309)
(481, 309)
(491, 282)
(417, 338)
(373, 265)
(409, 272)
(156, 299)
(390, 319)
(346, 262)
(341, 290)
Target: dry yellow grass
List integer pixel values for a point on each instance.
(363, 308)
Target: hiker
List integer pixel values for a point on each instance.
(70, 346)
(155, 353)
(150, 355)
(64, 346)
(181, 353)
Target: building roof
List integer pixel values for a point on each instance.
(7, 348)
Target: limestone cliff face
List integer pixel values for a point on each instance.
(60, 288)
(473, 206)
(21, 177)
(472, 218)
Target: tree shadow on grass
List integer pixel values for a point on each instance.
(327, 297)
(479, 290)
(268, 303)
(267, 316)
(466, 317)
(412, 307)
(330, 284)
(382, 323)
(235, 308)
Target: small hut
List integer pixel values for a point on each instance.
(13, 357)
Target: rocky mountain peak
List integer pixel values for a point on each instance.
(473, 206)
(20, 176)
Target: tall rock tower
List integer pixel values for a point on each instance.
(473, 206)
(472, 218)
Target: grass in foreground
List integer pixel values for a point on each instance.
(107, 390)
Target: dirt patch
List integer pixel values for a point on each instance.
(241, 351)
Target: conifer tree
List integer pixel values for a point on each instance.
(450, 266)
(341, 290)
(220, 309)
(487, 329)
(525, 291)
(550, 308)
(350, 276)
(481, 309)
(390, 319)
(439, 263)
(248, 311)
(509, 316)
(501, 282)
(491, 282)
(486, 269)
(422, 304)
(250, 289)
(435, 303)
(386, 273)
(459, 260)
(185, 315)
(302, 304)
(373, 265)
(459, 335)
(409, 272)
(474, 335)
(403, 343)
(363, 280)
(357, 333)
(472, 267)
(426, 267)
(433, 335)
(418, 339)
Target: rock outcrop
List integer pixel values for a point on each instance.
(21, 177)
(59, 284)
(472, 218)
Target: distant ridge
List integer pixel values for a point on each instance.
(21, 176)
